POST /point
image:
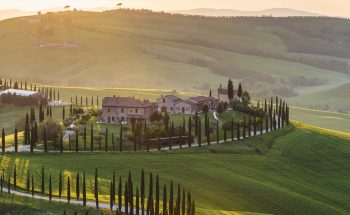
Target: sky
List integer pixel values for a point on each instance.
(324, 7)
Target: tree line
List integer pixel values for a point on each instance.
(125, 196)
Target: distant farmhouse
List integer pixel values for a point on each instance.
(173, 104)
(125, 109)
(223, 94)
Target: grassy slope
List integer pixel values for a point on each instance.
(301, 170)
(149, 51)
(15, 205)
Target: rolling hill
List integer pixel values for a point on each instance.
(144, 49)
(276, 12)
(299, 170)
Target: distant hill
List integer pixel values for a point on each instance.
(6, 14)
(142, 49)
(275, 12)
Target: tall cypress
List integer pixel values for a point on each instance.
(28, 182)
(61, 143)
(126, 198)
(142, 191)
(77, 186)
(111, 196)
(96, 188)
(157, 196)
(254, 118)
(3, 141)
(14, 177)
(189, 203)
(171, 199)
(68, 189)
(217, 133)
(178, 201)
(121, 139)
(199, 132)
(84, 134)
(232, 129)
(77, 141)
(33, 191)
(60, 185)
(84, 190)
(131, 198)
(106, 140)
(225, 134)
(50, 188)
(150, 193)
(190, 132)
(183, 205)
(16, 140)
(165, 207)
(137, 206)
(120, 195)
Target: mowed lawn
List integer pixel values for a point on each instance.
(295, 171)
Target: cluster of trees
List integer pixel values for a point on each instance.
(129, 199)
(13, 99)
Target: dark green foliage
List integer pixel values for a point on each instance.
(84, 190)
(96, 188)
(92, 138)
(142, 191)
(16, 140)
(157, 196)
(60, 185)
(68, 189)
(3, 141)
(50, 188)
(230, 89)
(77, 188)
(165, 207)
(42, 180)
(171, 199)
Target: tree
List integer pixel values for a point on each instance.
(68, 189)
(137, 201)
(77, 186)
(63, 113)
(3, 141)
(84, 190)
(16, 140)
(157, 196)
(60, 185)
(230, 90)
(142, 191)
(165, 208)
(245, 99)
(121, 139)
(120, 195)
(42, 180)
(28, 182)
(92, 138)
(220, 107)
(14, 177)
(96, 188)
(239, 91)
(171, 199)
(77, 141)
(205, 108)
(189, 203)
(189, 131)
(45, 140)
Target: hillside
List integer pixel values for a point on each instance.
(276, 12)
(299, 170)
(142, 49)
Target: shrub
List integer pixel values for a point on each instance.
(53, 130)
(220, 107)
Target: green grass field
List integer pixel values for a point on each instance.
(298, 170)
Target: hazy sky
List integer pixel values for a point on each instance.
(325, 7)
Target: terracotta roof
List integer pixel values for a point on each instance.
(173, 97)
(200, 99)
(189, 102)
(125, 102)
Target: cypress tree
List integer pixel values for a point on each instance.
(196, 124)
(42, 180)
(84, 134)
(261, 125)
(232, 129)
(178, 201)
(28, 182)
(120, 195)
(113, 181)
(142, 191)
(238, 131)
(189, 132)
(113, 143)
(208, 135)
(84, 190)
(199, 132)
(121, 139)
(165, 207)
(76, 142)
(77, 188)
(3, 140)
(96, 188)
(63, 113)
(217, 133)
(68, 190)
(14, 177)
(137, 201)
(157, 196)
(225, 134)
(50, 188)
(92, 138)
(171, 199)
(61, 143)
(16, 140)
(206, 126)
(249, 126)
(266, 124)
(31, 140)
(45, 140)
(150, 193)
(158, 144)
(60, 185)
(106, 140)
(193, 208)
(99, 142)
(126, 198)
(131, 198)
(254, 118)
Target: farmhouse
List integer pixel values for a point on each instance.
(125, 109)
(195, 104)
(167, 103)
(223, 94)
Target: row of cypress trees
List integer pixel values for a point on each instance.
(129, 200)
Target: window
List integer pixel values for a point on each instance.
(108, 110)
(113, 118)
(163, 100)
(122, 110)
(136, 110)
